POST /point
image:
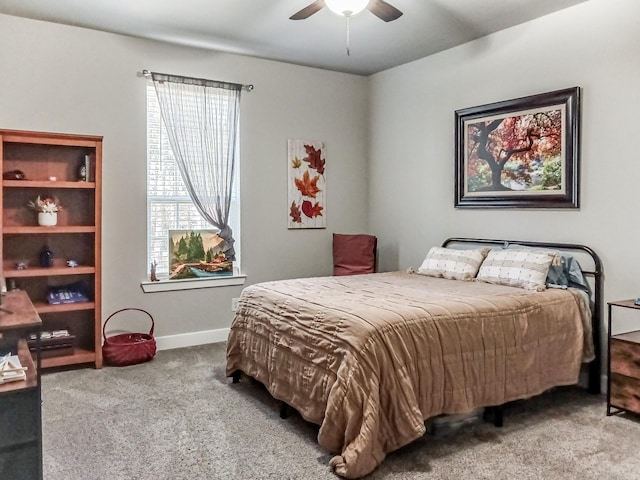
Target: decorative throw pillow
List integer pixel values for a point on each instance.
(516, 268)
(565, 270)
(452, 264)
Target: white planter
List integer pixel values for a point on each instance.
(47, 219)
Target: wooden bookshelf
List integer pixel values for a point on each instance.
(50, 163)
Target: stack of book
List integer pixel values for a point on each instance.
(11, 369)
(53, 343)
(73, 293)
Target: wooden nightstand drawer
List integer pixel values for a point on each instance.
(624, 364)
(625, 356)
(625, 392)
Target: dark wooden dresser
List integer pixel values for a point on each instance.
(20, 400)
(623, 393)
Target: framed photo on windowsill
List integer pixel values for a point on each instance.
(197, 254)
(521, 153)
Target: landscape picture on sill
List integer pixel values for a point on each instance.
(197, 254)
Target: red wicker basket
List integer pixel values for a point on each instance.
(128, 348)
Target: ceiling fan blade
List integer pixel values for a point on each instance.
(383, 10)
(307, 11)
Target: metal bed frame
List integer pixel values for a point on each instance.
(596, 274)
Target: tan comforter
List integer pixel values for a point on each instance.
(370, 357)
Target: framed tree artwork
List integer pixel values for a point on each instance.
(521, 153)
(306, 178)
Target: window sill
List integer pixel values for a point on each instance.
(191, 283)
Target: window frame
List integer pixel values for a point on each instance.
(164, 283)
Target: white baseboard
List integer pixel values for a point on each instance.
(191, 339)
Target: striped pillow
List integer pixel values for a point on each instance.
(452, 264)
(516, 268)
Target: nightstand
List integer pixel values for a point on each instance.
(623, 392)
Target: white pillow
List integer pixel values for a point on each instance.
(452, 264)
(516, 268)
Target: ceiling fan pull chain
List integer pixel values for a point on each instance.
(348, 35)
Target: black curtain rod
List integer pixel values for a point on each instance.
(246, 88)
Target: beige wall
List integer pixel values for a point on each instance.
(67, 79)
(594, 45)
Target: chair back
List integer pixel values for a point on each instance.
(354, 254)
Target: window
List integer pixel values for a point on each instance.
(169, 206)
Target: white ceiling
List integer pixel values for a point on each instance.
(261, 28)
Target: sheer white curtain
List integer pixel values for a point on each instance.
(202, 119)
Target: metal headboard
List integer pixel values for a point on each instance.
(596, 274)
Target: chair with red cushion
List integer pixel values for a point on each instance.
(354, 254)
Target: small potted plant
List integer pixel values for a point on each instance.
(47, 209)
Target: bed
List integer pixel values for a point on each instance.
(370, 358)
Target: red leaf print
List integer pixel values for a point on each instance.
(314, 158)
(294, 213)
(310, 210)
(308, 187)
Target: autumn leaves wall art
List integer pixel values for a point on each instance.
(307, 195)
(519, 153)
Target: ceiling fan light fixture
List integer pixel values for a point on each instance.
(346, 7)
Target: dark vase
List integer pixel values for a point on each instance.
(46, 258)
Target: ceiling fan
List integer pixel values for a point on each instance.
(379, 8)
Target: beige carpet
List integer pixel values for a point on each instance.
(178, 417)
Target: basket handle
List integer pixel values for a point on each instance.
(104, 326)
